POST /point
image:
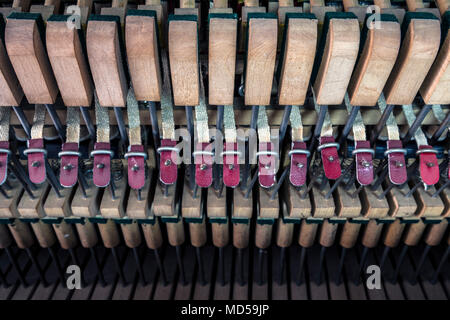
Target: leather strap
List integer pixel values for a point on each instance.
(395, 152)
(168, 166)
(36, 152)
(330, 158)
(68, 175)
(429, 167)
(203, 156)
(5, 114)
(299, 154)
(136, 155)
(168, 169)
(204, 159)
(266, 153)
(4, 161)
(102, 149)
(266, 165)
(428, 164)
(364, 164)
(396, 162)
(231, 170)
(102, 164)
(363, 154)
(299, 163)
(36, 161)
(136, 166)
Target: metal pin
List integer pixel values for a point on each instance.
(421, 262)
(121, 124)
(381, 123)
(160, 267)
(253, 122)
(20, 173)
(55, 259)
(260, 267)
(219, 126)
(280, 183)
(399, 263)
(282, 260)
(384, 256)
(240, 263)
(52, 179)
(23, 120)
(190, 127)
(413, 189)
(362, 264)
(438, 191)
(380, 179)
(16, 267)
(301, 265)
(3, 192)
(139, 194)
(321, 260)
(139, 266)
(194, 193)
(3, 279)
(82, 184)
(180, 265)
(341, 266)
(201, 270)
(88, 121)
(36, 265)
(56, 121)
(118, 266)
(250, 187)
(284, 124)
(440, 266)
(166, 190)
(221, 264)
(318, 128)
(416, 124)
(385, 192)
(441, 129)
(97, 266)
(339, 180)
(112, 189)
(155, 129)
(348, 125)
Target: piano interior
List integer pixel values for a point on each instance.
(224, 150)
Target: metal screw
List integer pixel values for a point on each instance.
(231, 167)
(203, 167)
(100, 166)
(36, 164)
(331, 158)
(300, 165)
(68, 167)
(167, 162)
(430, 164)
(135, 168)
(365, 164)
(267, 166)
(398, 164)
